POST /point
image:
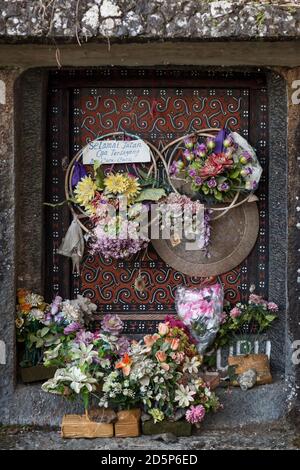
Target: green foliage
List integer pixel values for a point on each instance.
(151, 194)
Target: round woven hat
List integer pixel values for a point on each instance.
(232, 239)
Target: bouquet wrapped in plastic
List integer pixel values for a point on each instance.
(201, 311)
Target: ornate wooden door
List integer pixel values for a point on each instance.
(158, 105)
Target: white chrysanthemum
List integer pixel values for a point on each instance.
(34, 299)
(36, 314)
(71, 312)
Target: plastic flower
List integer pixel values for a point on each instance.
(175, 344)
(37, 314)
(133, 189)
(71, 312)
(257, 299)
(161, 356)
(125, 364)
(34, 299)
(157, 415)
(21, 295)
(163, 329)
(19, 322)
(184, 396)
(85, 191)
(75, 376)
(72, 328)
(116, 183)
(85, 337)
(223, 187)
(149, 340)
(212, 183)
(272, 306)
(192, 365)
(123, 345)
(235, 312)
(84, 354)
(195, 414)
(112, 324)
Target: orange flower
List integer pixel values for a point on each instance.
(175, 344)
(165, 366)
(125, 364)
(161, 356)
(21, 295)
(149, 340)
(25, 308)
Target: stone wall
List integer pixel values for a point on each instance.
(22, 159)
(140, 33)
(73, 20)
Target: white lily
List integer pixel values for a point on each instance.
(191, 365)
(78, 379)
(184, 396)
(84, 354)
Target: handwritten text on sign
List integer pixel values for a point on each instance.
(116, 151)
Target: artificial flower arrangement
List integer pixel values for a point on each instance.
(159, 374)
(84, 358)
(201, 311)
(219, 167)
(103, 196)
(251, 318)
(30, 311)
(43, 327)
(172, 209)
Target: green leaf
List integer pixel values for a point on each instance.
(218, 195)
(99, 175)
(270, 317)
(234, 174)
(151, 194)
(44, 331)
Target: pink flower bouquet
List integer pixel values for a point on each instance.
(201, 311)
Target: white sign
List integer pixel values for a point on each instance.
(116, 151)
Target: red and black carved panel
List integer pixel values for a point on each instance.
(158, 106)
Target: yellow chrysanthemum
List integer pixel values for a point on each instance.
(85, 191)
(133, 189)
(116, 184)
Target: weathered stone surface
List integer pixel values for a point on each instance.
(31, 167)
(250, 438)
(178, 428)
(8, 188)
(70, 20)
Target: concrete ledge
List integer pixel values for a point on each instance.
(261, 405)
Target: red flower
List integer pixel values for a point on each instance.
(215, 164)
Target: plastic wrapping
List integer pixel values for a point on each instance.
(243, 147)
(201, 310)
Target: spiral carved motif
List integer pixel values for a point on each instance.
(159, 115)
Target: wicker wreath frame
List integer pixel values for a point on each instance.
(155, 156)
(204, 133)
